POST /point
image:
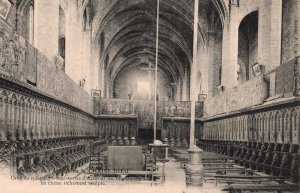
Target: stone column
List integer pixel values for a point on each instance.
(95, 66)
(204, 66)
(102, 69)
(269, 33)
(88, 70)
(74, 43)
(230, 51)
(46, 24)
(185, 84)
(211, 65)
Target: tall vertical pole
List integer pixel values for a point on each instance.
(156, 61)
(194, 167)
(193, 76)
(150, 80)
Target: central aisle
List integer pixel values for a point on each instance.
(174, 183)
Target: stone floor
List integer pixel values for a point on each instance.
(174, 183)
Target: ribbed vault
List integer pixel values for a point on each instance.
(126, 28)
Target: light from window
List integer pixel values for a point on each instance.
(143, 87)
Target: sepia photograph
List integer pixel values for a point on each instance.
(151, 96)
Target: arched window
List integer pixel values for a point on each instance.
(215, 44)
(29, 23)
(247, 46)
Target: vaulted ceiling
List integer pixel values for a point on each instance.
(128, 30)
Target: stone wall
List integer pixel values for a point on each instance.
(251, 93)
(53, 81)
(290, 30)
(125, 83)
(285, 75)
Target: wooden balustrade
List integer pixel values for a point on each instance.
(117, 130)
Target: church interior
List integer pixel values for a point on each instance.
(195, 94)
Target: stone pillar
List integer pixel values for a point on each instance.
(211, 65)
(74, 43)
(269, 33)
(46, 24)
(88, 70)
(230, 51)
(195, 167)
(95, 72)
(102, 84)
(177, 91)
(185, 84)
(204, 66)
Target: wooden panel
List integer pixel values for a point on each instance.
(125, 157)
(287, 127)
(279, 126)
(295, 126)
(266, 127)
(272, 128)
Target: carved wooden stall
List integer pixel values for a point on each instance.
(117, 130)
(267, 141)
(264, 137)
(172, 119)
(37, 130)
(46, 121)
(116, 121)
(176, 122)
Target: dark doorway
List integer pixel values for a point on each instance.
(145, 136)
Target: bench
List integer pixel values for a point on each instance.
(218, 164)
(225, 170)
(123, 175)
(244, 178)
(234, 188)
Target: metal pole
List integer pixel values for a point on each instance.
(194, 167)
(150, 80)
(156, 61)
(193, 76)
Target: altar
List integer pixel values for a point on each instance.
(125, 158)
